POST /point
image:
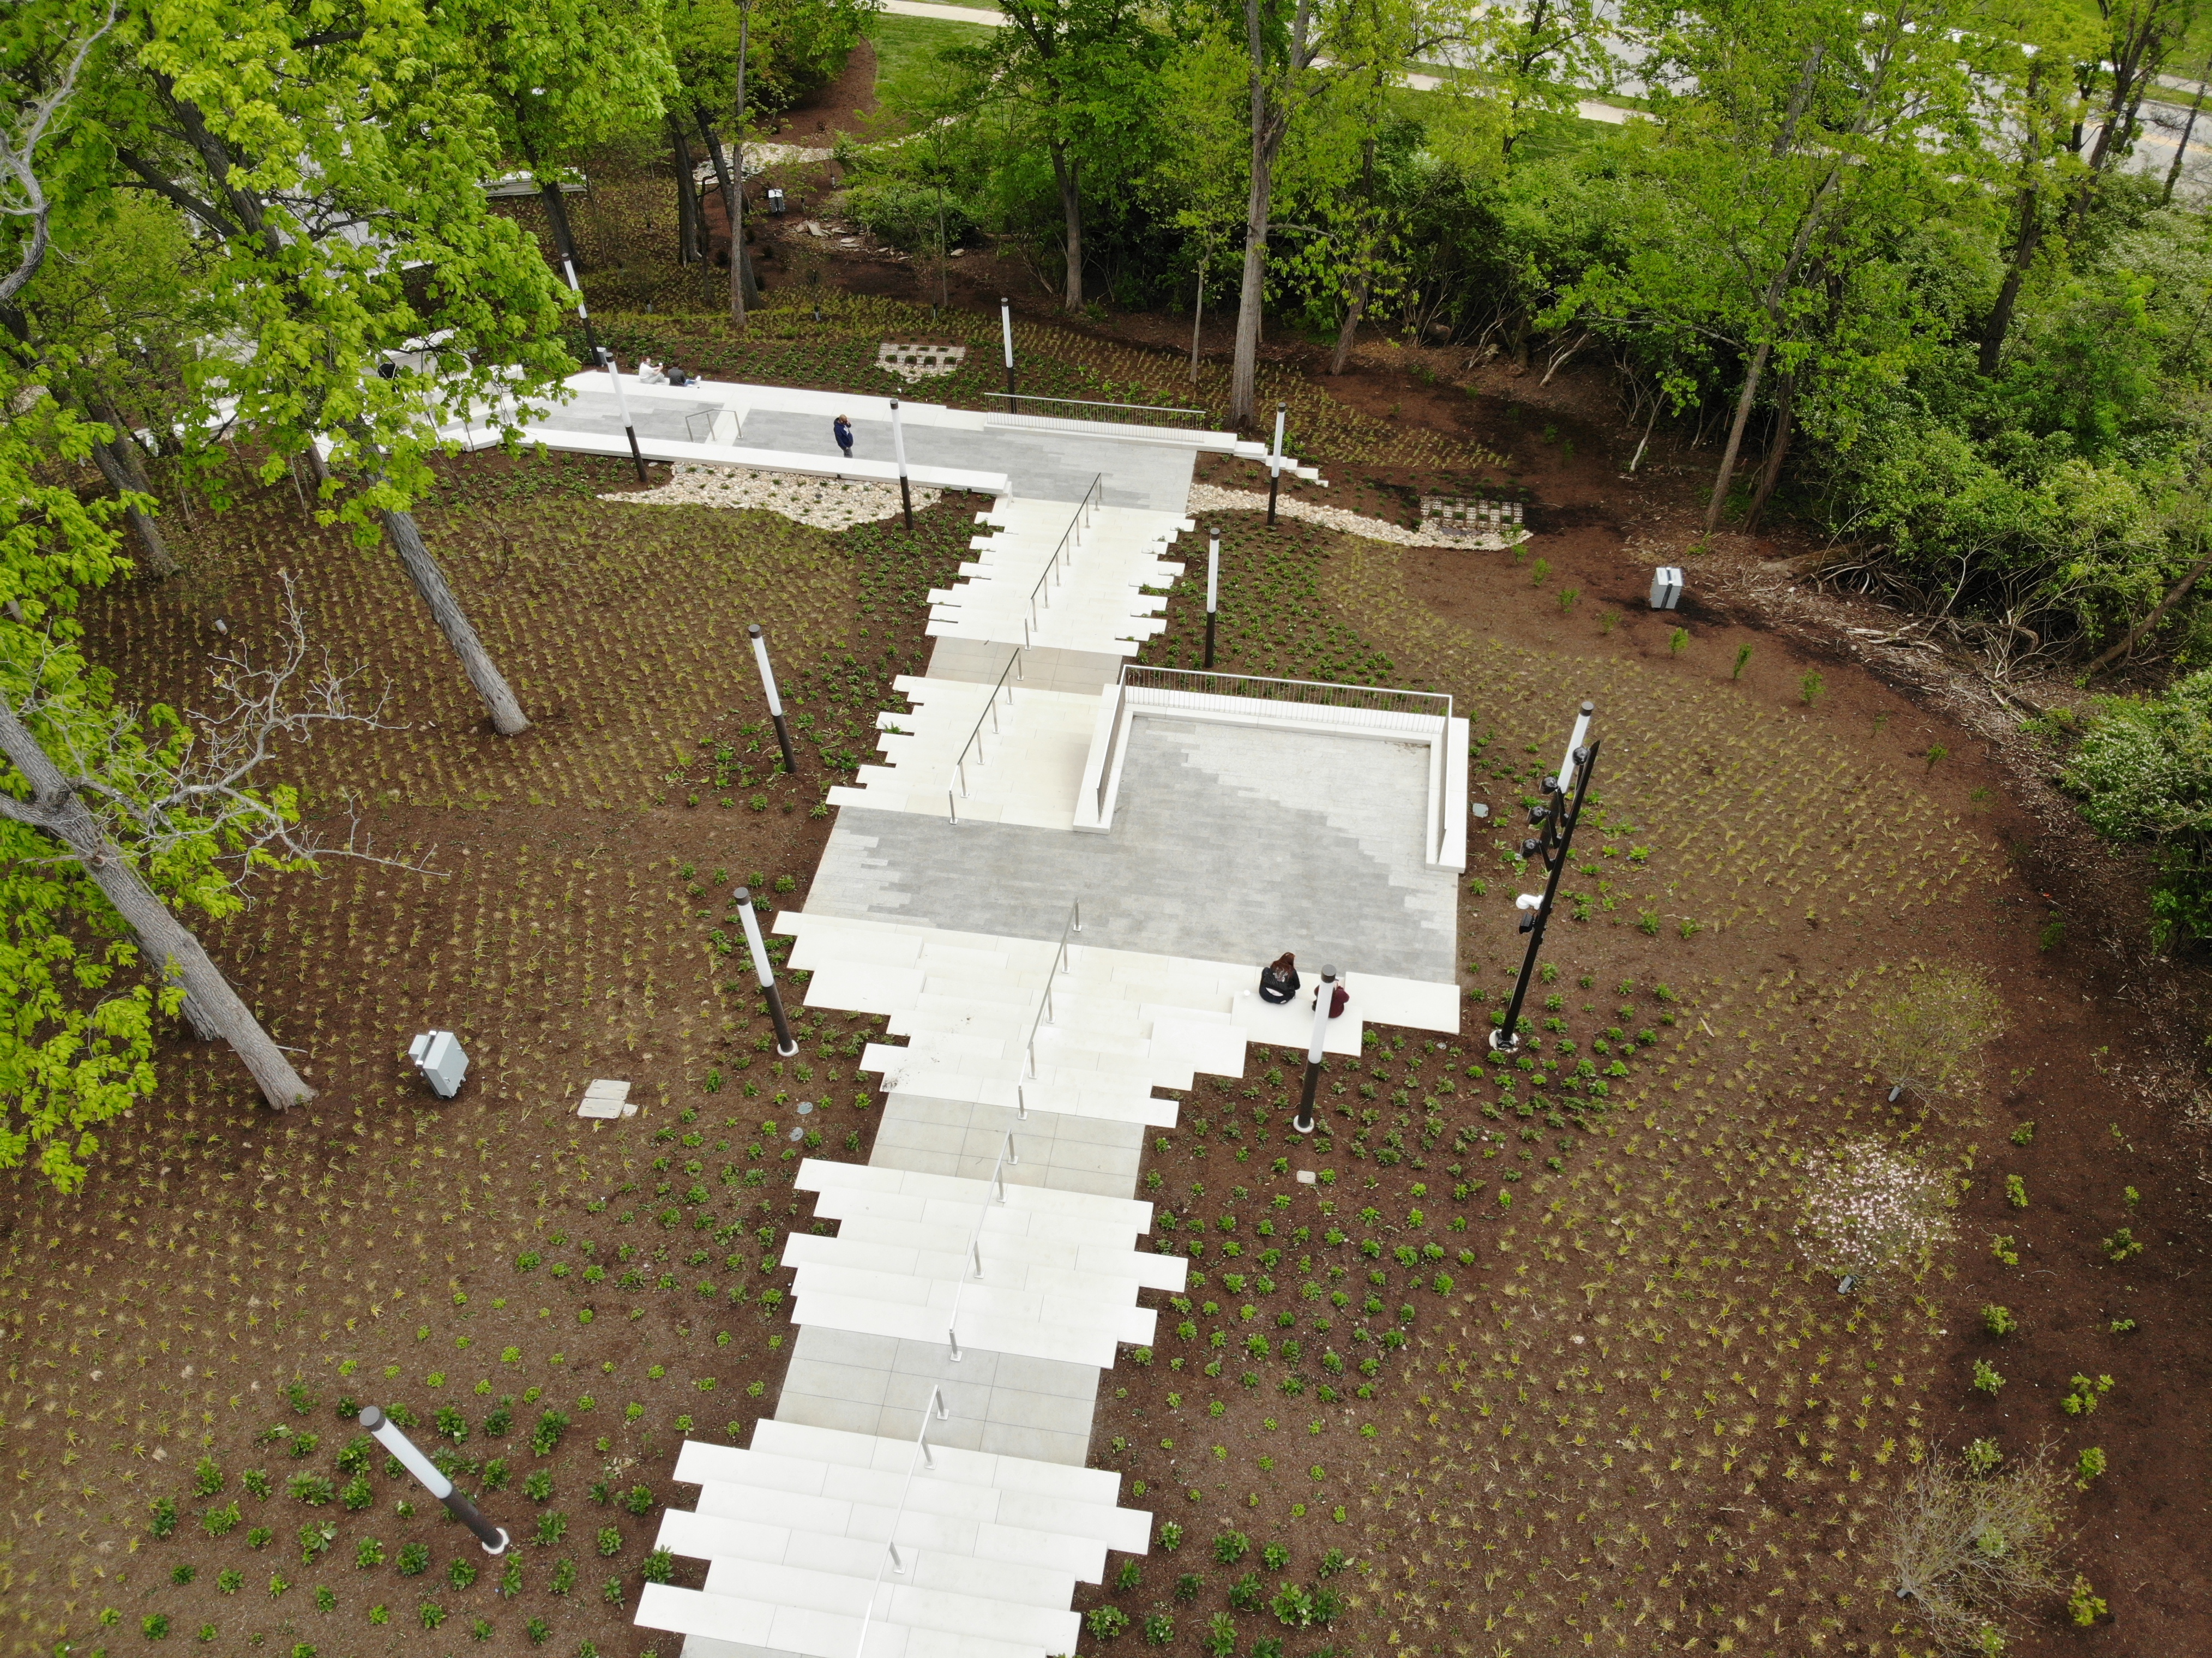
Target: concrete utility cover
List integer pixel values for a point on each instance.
(606, 1100)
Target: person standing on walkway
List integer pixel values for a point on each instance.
(843, 431)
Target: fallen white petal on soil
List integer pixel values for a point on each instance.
(1210, 498)
(818, 503)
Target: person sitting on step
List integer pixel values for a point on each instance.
(1279, 979)
(1338, 997)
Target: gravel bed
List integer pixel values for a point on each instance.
(1210, 498)
(819, 503)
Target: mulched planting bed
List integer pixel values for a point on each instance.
(189, 1338)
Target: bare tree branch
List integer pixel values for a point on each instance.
(21, 195)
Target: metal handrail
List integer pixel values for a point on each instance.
(1083, 509)
(1073, 924)
(1008, 1157)
(935, 1408)
(1017, 398)
(957, 784)
(1382, 699)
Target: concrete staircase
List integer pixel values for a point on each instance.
(1024, 765)
(1089, 599)
(799, 1533)
(1010, 1268)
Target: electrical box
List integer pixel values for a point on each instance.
(774, 203)
(438, 1054)
(1666, 587)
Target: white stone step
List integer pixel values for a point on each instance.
(1003, 1296)
(1008, 1474)
(725, 1469)
(758, 1619)
(1109, 1260)
(918, 1524)
(894, 1218)
(823, 1175)
(976, 1327)
(748, 1536)
(708, 1537)
(1007, 1264)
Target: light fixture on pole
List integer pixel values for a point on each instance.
(1006, 332)
(1213, 586)
(898, 449)
(583, 313)
(775, 701)
(1275, 463)
(622, 409)
(1554, 822)
(764, 970)
(387, 1434)
(1303, 1123)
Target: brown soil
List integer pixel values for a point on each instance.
(1776, 853)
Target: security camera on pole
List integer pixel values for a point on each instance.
(1554, 822)
(898, 449)
(1275, 462)
(1213, 586)
(1303, 1123)
(775, 701)
(1006, 331)
(387, 1434)
(621, 408)
(764, 970)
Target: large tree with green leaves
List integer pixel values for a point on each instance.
(335, 170)
(1789, 136)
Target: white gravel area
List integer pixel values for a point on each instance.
(1210, 498)
(819, 503)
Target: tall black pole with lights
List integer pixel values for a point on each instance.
(1554, 822)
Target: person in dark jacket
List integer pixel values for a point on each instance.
(843, 429)
(1279, 979)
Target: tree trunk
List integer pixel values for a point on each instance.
(2181, 150)
(1198, 311)
(1251, 294)
(154, 554)
(1719, 502)
(731, 213)
(213, 1006)
(429, 581)
(741, 288)
(2179, 592)
(2023, 255)
(556, 212)
(1771, 474)
(1346, 334)
(688, 236)
(1065, 174)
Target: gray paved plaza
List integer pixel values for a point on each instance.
(1230, 843)
(1042, 465)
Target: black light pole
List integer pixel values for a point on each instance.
(764, 970)
(621, 408)
(1554, 821)
(898, 449)
(387, 1434)
(1303, 1123)
(583, 313)
(1213, 586)
(1275, 464)
(1006, 330)
(775, 701)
